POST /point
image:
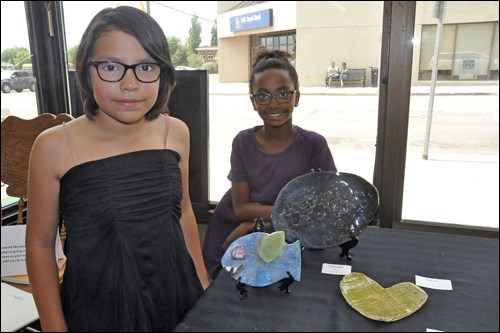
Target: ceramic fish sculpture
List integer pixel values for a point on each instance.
(260, 259)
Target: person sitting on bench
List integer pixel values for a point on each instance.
(332, 73)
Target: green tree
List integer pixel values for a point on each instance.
(214, 40)
(194, 39)
(173, 44)
(22, 57)
(195, 60)
(16, 56)
(180, 58)
(72, 55)
(212, 67)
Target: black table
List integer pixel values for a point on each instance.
(388, 256)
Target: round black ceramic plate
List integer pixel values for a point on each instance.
(324, 209)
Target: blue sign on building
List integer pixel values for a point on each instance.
(260, 19)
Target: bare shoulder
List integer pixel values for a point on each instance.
(178, 135)
(52, 149)
(54, 139)
(177, 124)
(50, 140)
(178, 129)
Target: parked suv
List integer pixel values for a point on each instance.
(18, 80)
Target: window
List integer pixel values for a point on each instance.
(468, 51)
(284, 41)
(19, 97)
(454, 177)
(464, 133)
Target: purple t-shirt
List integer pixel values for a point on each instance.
(267, 174)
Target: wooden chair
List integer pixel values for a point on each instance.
(18, 136)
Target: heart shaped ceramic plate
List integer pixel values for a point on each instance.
(384, 304)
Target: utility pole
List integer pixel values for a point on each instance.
(439, 9)
(145, 6)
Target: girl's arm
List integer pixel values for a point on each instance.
(245, 209)
(188, 220)
(246, 212)
(41, 229)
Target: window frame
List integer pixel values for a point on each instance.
(395, 82)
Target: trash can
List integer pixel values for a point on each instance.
(374, 76)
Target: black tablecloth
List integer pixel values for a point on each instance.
(388, 256)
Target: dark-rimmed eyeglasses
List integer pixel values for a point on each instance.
(113, 71)
(283, 96)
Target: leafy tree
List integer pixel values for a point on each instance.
(195, 60)
(16, 56)
(214, 40)
(72, 55)
(211, 66)
(173, 44)
(22, 57)
(194, 39)
(180, 58)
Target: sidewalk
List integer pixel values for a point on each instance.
(435, 189)
(217, 88)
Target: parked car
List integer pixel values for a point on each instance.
(185, 68)
(467, 65)
(18, 80)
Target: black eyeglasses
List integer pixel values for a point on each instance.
(283, 96)
(113, 71)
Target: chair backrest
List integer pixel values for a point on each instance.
(18, 136)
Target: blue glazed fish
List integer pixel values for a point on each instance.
(260, 259)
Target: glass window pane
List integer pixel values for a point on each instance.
(18, 90)
(453, 139)
(276, 41)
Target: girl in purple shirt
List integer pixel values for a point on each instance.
(264, 158)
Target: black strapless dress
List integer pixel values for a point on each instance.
(127, 268)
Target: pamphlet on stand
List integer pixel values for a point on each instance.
(14, 254)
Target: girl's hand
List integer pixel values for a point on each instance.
(243, 229)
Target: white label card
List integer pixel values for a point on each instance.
(439, 284)
(336, 269)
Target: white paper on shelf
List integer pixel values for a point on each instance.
(18, 308)
(14, 250)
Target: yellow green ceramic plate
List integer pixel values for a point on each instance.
(385, 304)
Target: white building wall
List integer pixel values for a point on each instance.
(341, 31)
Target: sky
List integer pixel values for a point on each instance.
(173, 16)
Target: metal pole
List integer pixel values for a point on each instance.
(439, 13)
(145, 6)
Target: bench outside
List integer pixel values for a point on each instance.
(355, 75)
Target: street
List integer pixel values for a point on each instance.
(464, 145)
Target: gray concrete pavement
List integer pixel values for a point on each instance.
(488, 88)
(458, 184)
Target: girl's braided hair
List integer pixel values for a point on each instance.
(273, 59)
